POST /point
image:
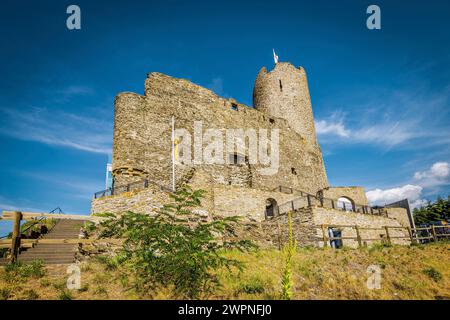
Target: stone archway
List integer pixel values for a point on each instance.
(346, 204)
(271, 208)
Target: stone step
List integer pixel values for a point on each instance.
(50, 261)
(53, 248)
(48, 253)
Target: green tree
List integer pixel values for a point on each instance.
(175, 247)
(437, 211)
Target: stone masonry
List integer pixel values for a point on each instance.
(143, 145)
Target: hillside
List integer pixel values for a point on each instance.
(416, 272)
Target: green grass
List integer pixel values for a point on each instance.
(16, 272)
(414, 272)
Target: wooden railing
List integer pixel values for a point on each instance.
(414, 235)
(305, 199)
(15, 243)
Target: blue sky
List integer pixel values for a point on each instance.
(380, 97)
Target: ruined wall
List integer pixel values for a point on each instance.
(245, 202)
(326, 216)
(399, 214)
(147, 200)
(142, 138)
(274, 233)
(356, 194)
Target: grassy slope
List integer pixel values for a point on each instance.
(417, 272)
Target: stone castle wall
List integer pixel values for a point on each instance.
(249, 203)
(142, 148)
(307, 229)
(148, 200)
(142, 137)
(356, 194)
(374, 223)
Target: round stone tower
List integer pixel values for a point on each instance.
(128, 155)
(283, 93)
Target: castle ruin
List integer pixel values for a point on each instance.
(144, 172)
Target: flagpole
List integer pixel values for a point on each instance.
(173, 153)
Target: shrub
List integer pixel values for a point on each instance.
(174, 247)
(252, 286)
(84, 288)
(433, 274)
(45, 282)
(101, 290)
(65, 295)
(18, 271)
(30, 295)
(5, 293)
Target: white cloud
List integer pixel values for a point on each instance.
(437, 175)
(418, 203)
(324, 127)
(58, 128)
(382, 197)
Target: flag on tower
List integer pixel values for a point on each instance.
(275, 57)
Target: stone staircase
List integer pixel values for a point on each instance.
(54, 253)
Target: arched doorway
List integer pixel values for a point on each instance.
(345, 204)
(271, 208)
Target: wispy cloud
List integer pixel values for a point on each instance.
(70, 92)
(81, 187)
(21, 205)
(216, 85)
(333, 126)
(57, 128)
(408, 118)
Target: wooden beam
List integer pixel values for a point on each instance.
(15, 241)
(388, 237)
(9, 215)
(324, 235)
(358, 236)
(27, 243)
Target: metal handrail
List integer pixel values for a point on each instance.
(322, 200)
(56, 210)
(144, 183)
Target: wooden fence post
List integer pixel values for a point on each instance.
(358, 236)
(324, 236)
(410, 234)
(15, 241)
(433, 231)
(388, 238)
(279, 235)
